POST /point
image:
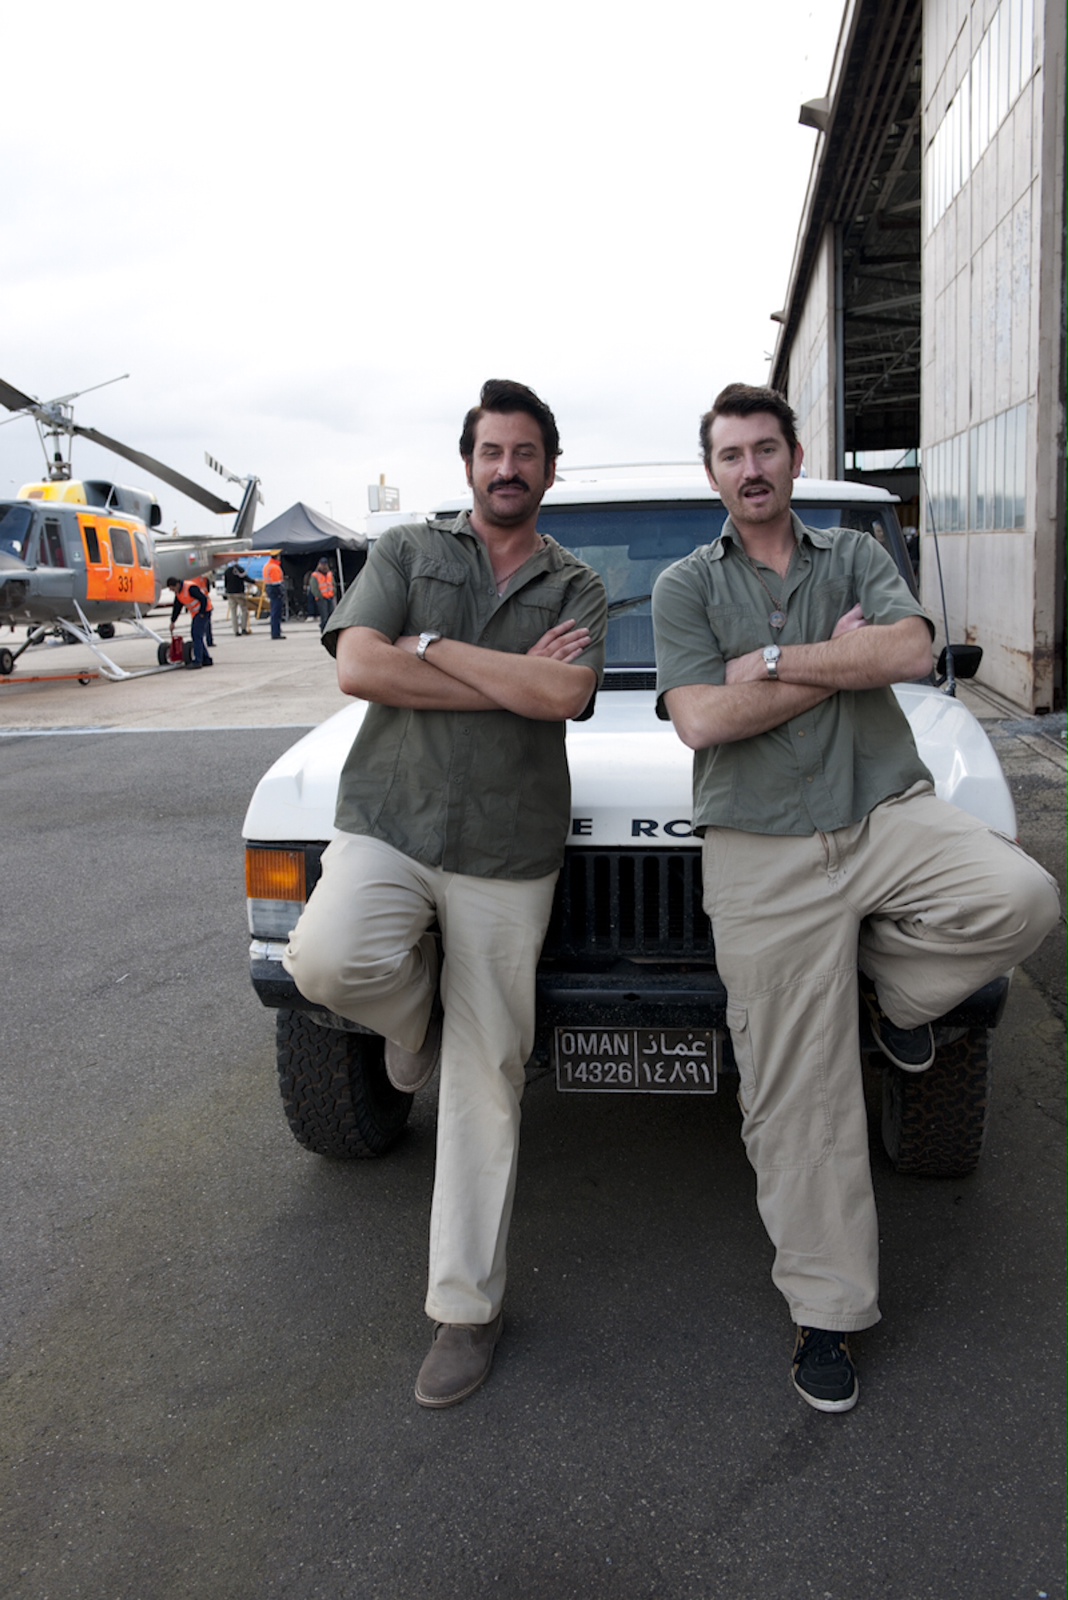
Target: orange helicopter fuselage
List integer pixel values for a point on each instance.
(101, 559)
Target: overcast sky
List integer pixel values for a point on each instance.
(309, 233)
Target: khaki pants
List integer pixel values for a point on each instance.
(362, 949)
(932, 905)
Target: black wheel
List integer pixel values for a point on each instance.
(934, 1122)
(337, 1098)
(7, 663)
(163, 655)
(187, 651)
(106, 630)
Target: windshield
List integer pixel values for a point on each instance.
(630, 546)
(15, 529)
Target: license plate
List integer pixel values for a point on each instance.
(637, 1060)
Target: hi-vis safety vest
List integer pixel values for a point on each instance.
(191, 601)
(325, 580)
(272, 572)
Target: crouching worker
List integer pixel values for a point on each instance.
(194, 597)
(474, 640)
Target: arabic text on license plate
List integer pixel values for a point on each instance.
(637, 1060)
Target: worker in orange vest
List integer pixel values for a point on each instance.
(274, 581)
(194, 597)
(206, 585)
(322, 592)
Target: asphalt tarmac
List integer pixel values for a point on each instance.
(210, 1336)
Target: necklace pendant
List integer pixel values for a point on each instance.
(777, 619)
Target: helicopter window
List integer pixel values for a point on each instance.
(144, 550)
(50, 553)
(121, 547)
(92, 543)
(15, 524)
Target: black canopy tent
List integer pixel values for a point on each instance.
(303, 536)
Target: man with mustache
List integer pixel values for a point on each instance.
(825, 849)
(474, 641)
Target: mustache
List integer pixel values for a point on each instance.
(509, 483)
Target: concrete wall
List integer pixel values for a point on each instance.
(812, 368)
(992, 269)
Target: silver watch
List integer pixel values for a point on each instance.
(772, 652)
(425, 641)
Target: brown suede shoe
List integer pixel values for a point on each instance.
(409, 1070)
(458, 1361)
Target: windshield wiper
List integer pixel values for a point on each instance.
(616, 608)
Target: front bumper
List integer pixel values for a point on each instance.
(623, 995)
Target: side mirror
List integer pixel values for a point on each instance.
(965, 662)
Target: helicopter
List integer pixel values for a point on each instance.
(78, 556)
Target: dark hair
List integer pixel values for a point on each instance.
(742, 400)
(502, 395)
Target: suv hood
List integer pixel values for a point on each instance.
(630, 774)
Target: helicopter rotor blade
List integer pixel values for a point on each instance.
(65, 399)
(177, 480)
(15, 400)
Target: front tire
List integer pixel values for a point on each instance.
(934, 1122)
(337, 1099)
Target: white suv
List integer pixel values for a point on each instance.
(629, 998)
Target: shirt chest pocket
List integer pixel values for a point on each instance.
(829, 603)
(436, 589)
(737, 629)
(531, 613)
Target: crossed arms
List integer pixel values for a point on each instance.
(858, 655)
(545, 684)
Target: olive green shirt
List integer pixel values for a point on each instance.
(483, 793)
(828, 767)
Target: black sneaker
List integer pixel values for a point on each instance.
(823, 1373)
(911, 1049)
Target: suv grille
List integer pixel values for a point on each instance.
(620, 904)
(629, 678)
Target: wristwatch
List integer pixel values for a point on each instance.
(425, 641)
(771, 653)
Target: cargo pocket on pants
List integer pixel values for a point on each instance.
(742, 1040)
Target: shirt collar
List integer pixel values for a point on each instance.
(551, 550)
(815, 536)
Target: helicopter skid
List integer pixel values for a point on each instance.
(79, 631)
(83, 633)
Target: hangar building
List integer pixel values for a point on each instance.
(922, 343)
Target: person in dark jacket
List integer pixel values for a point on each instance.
(235, 580)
